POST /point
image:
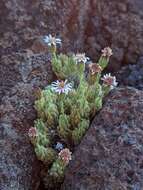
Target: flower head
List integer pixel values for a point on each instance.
(109, 80)
(32, 133)
(94, 68)
(65, 155)
(59, 146)
(107, 52)
(50, 40)
(81, 58)
(61, 87)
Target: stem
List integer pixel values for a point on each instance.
(53, 49)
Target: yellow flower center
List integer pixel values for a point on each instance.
(62, 84)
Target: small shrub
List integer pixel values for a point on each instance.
(66, 107)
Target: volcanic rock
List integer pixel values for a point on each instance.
(20, 77)
(110, 155)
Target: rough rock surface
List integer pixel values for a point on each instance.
(132, 75)
(20, 76)
(85, 25)
(111, 154)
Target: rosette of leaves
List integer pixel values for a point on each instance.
(63, 66)
(79, 131)
(47, 108)
(42, 143)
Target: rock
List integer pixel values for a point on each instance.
(84, 25)
(110, 155)
(132, 75)
(20, 76)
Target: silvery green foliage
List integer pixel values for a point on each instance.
(66, 107)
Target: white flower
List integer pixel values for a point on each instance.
(81, 58)
(109, 80)
(50, 40)
(61, 87)
(107, 52)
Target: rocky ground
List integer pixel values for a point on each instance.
(111, 154)
(88, 25)
(20, 78)
(132, 75)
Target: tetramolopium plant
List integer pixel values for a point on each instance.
(66, 107)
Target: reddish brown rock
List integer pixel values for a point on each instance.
(84, 25)
(111, 154)
(20, 76)
(132, 75)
